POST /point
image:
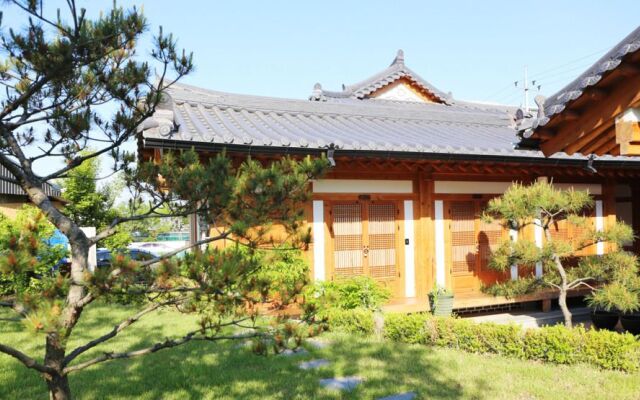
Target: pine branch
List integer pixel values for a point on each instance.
(116, 330)
(26, 360)
(168, 343)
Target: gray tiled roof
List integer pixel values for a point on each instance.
(10, 188)
(395, 71)
(210, 119)
(558, 102)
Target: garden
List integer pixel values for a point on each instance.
(227, 371)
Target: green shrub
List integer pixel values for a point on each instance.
(357, 320)
(611, 350)
(283, 273)
(557, 344)
(406, 328)
(347, 294)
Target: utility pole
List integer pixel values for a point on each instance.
(526, 91)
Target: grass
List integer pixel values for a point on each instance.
(223, 371)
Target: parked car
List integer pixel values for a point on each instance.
(104, 256)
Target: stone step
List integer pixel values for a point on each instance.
(400, 396)
(346, 383)
(313, 364)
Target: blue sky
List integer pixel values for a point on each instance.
(475, 49)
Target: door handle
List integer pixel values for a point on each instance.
(365, 251)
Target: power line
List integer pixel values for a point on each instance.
(540, 79)
(572, 61)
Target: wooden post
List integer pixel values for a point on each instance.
(424, 239)
(635, 214)
(546, 305)
(609, 206)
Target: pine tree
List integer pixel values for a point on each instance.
(543, 206)
(57, 74)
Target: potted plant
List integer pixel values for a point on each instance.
(441, 301)
(613, 301)
(604, 315)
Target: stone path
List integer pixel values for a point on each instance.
(401, 396)
(292, 352)
(344, 383)
(313, 364)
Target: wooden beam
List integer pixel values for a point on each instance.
(627, 132)
(570, 115)
(627, 69)
(595, 93)
(577, 145)
(598, 141)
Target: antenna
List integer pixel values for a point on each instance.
(526, 91)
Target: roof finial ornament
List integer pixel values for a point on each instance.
(399, 58)
(316, 94)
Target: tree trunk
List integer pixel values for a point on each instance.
(562, 297)
(54, 356)
(59, 388)
(562, 302)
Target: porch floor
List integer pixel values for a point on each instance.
(475, 301)
(534, 319)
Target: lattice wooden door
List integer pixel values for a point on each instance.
(365, 241)
(490, 235)
(471, 244)
(382, 258)
(348, 244)
(463, 237)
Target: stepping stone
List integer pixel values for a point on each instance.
(294, 352)
(243, 345)
(401, 396)
(318, 343)
(346, 383)
(313, 364)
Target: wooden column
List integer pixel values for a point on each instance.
(635, 214)
(609, 205)
(425, 273)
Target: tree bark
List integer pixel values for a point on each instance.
(57, 382)
(59, 388)
(563, 287)
(562, 302)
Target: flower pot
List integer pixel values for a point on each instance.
(631, 323)
(604, 319)
(442, 305)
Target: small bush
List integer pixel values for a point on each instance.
(348, 294)
(611, 350)
(555, 344)
(357, 320)
(406, 328)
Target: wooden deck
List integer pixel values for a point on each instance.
(475, 300)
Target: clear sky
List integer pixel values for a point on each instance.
(475, 49)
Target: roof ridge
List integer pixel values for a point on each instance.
(397, 70)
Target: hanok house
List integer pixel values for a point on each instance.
(414, 168)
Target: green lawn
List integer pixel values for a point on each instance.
(221, 371)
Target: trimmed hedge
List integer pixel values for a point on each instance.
(557, 344)
(356, 320)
